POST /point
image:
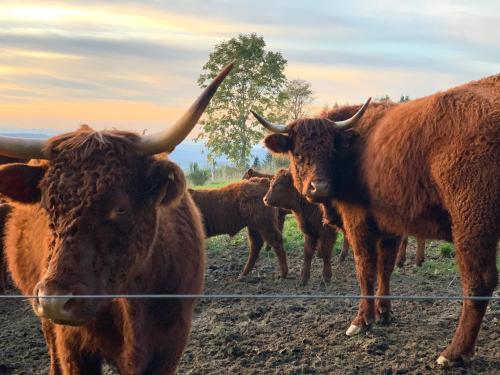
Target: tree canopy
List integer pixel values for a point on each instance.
(256, 82)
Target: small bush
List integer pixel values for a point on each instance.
(196, 175)
(446, 250)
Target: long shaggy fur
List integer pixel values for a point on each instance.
(75, 235)
(429, 167)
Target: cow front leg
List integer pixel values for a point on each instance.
(365, 259)
(255, 243)
(72, 358)
(325, 249)
(420, 257)
(167, 357)
(274, 238)
(309, 249)
(387, 251)
(345, 249)
(401, 259)
(50, 339)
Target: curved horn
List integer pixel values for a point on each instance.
(353, 119)
(275, 128)
(165, 141)
(23, 148)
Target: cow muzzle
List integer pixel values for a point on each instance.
(267, 201)
(317, 190)
(57, 305)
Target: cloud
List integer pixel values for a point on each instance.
(131, 59)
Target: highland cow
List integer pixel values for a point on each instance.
(429, 167)
(317, 235)
(238, 205)
(104, 216)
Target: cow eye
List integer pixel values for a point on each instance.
(119, 210)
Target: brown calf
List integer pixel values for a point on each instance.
(238, 205)
(318, 236)
(282, 212)
(429, 167)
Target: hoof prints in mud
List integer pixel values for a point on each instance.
(294, 336)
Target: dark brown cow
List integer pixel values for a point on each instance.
(429, 167)
(238, 205)
(317, 235)
(102, 216)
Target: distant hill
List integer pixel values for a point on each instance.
(184, 154)
(189, 152)
(27, 135)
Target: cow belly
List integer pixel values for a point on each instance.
(431, 224)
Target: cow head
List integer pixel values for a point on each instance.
(249, 174)
(281, 191)
(313, 146)
(100, 193)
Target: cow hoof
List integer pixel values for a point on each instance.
(353, 330)
(242, 277)
(384, 318)
(445, 362)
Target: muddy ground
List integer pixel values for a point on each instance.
(295, 336)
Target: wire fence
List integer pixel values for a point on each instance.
(259, 296)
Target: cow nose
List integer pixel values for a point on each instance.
(317, 189)
(52, 303)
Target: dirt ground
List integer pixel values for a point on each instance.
(294, 336)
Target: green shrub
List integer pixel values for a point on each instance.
(446, 250)
(196, 175)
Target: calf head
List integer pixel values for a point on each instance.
(313, 147)
(249, 174)
(101, 193)
(281, 191)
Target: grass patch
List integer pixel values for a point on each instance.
(212, 184)
(446, 250)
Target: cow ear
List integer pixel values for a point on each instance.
(346, 140)
(278, 143)
(19, 182)
(165, 182)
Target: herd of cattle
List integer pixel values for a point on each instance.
(99, 212)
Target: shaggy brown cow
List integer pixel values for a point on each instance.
(102, 216)
(238, 205)
(317, 235)
(429, 167)
(419, 257)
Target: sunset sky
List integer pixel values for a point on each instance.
(134, 65)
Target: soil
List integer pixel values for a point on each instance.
(294, 336)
